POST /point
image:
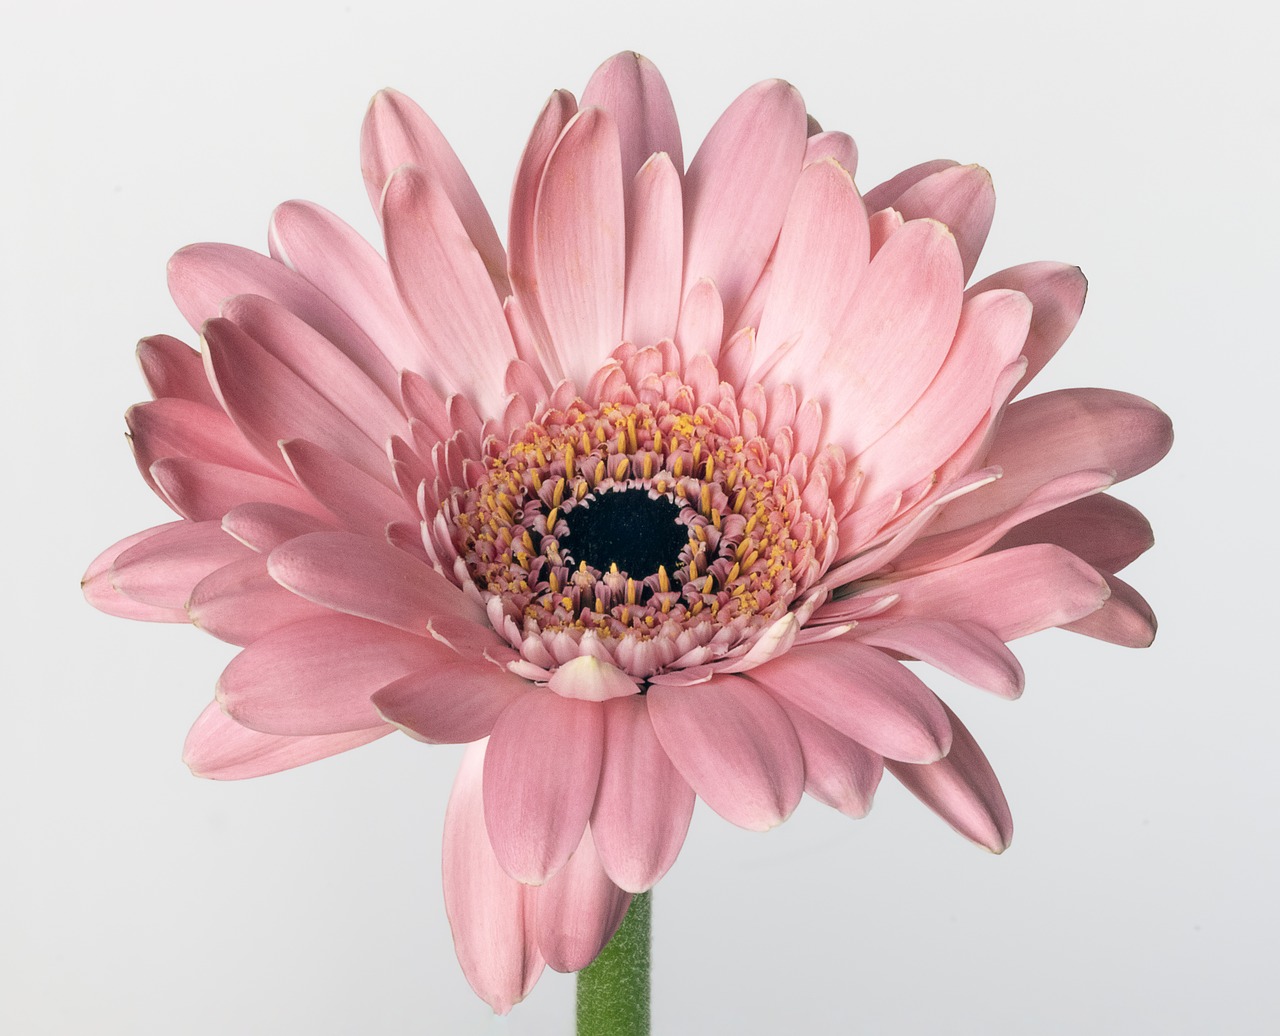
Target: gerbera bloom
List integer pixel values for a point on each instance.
(651, 505)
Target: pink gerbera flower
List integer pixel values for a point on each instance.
(653, 504)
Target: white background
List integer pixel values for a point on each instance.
(1139, 895)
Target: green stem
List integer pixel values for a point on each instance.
(613, 991)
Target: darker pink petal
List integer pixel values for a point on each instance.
(451, 701)
(173, 369)
(240, 602)
(959, 196)
(221, 749)
(578, 910)
(1104, 531)
(98, 591)
(965, 650)
(631, 89)
(734, 745)
(963, 790)
(838, 771)
(164, 565)
(540, 780)
(1125, 619)
(490, 913)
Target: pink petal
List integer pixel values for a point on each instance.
(268, 401)
(701, 325)
(643, 805)
(553, 118)
(863, 694)
(655, 254)
(589, 679)
(965, 650)
(177, 427)
(1125, 619)
(490, 913)
(361, 502)
(631, 89)
(98, 591)
(894, 336)
(221, 749)
(838, 771)
(963, 790)
(453, 701)
(317, 677)
(578, 910)
(839, 146)
(173, 369)
(240, 602)
(738, 187)
(397, 132)
(883, 195)
(1013, 593)
(263, 527)
(1104, 531)
(202, 277)
(961, 197)
(579, 244)
(1056, 433)
(370, 578)
(735, 746)
(342, 264)
(203, 491)
(446, 290)
(540, 780)
(1057, 295)
(822, 251)
(989, 337)
(163, 565)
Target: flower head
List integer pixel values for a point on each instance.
(652, 504)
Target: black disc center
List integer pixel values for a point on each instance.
(627, 528)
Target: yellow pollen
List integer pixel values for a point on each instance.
(648, 465)
(664, 581)
(557, 494)
(709, 584)
(552, 517)
(706, 498)
(631, 591)
(623, 464)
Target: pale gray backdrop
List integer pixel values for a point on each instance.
(1139, 896)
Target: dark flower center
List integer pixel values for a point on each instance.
(627, 528)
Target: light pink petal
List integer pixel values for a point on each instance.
(553, 118)
(1104, 531)
(1125, 619)
(1013, 593)
(587, 678)
(643, 805)
(317, 677)
(446, 290)
(579, 244)
(98, 591)
(838, 771)
(453, 701)
(263, 527)
(822, 251)
(347, 268)
(176, 427)
(578, 910)
(963, 790)
(839, 146)
(397, 132)
(951, 548)
(221, 749)
(883, 195)
(989, 337)
(1057, 294)
(738, 187)
(268, 401)
(240, 602)
(894, 336)
(163, 565)
(490, 913)
(655, 253)
(864, 694)
(735, 746)
(370, 578)
(1056, 433)
(701, 325)
(172, 369)
(965, 650)
(960, 196)
(631, 89)
(203, 491)
(202, 277)
(361, 502)
(540, 780)
(882, 225)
